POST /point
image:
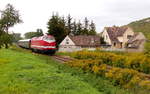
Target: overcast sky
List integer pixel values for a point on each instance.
(35, 13)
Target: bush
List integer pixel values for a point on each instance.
(145, 84)
(123, 77)
(136, 61)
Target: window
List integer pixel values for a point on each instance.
(48, 39)
(129, 36)
(67, 39)
(121, 45)
(67, 42)
(114, 44)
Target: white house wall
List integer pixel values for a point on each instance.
(69, 48)
(106, 37)
(120, 39)
(129, 31)
(64, 42)
(67, 45)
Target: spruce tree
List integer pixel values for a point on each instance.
(92, 29)
(86, 26)
(79, 29)
(57, 28)
(69, 24)
(74, 31)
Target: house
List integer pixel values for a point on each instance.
(136, 43)
(117, 37)
(80, 42)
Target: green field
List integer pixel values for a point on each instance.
(22, 72)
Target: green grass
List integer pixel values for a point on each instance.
(27, 73)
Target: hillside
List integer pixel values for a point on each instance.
(144, 27)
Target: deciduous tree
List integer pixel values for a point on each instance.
(9, 17)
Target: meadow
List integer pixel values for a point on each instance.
(23, 72)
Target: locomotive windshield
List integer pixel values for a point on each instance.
(49, 39)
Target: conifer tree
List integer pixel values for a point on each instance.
(86, 26)
(74, 31)
(69, 24)
(79, 29)
(92, 29)
(57, 28)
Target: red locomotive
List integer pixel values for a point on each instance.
(44, 44)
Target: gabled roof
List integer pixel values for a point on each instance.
(115, 32)
(136, 40)
(137, 36)
(135, 43)
(86, 41)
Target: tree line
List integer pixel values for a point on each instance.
(60, 27)
(37, 33)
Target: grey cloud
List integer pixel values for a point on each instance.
(122, 12)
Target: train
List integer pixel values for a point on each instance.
(43, 44)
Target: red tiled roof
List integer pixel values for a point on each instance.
(115, 32)
(86, 41)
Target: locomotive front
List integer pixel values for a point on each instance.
(44, 44)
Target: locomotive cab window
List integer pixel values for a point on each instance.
(48, 39)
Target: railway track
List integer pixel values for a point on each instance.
(62, 59)
(59, 58)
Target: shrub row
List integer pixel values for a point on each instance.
(127, 78)
(136, 61)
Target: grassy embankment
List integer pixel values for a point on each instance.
(22, 72)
